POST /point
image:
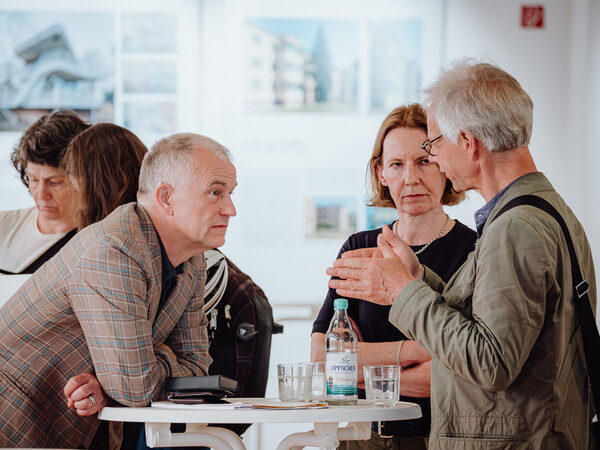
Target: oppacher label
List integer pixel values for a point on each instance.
(341, 373)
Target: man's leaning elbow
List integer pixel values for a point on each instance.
(126, 399)
(135, 403)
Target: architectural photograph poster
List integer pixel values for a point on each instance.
(149, 33)
(150, 117)
(51, 60)
(149, 72)
(330, 216)
(150, 77)
(302, 65)
(395, 66)
(377, 217)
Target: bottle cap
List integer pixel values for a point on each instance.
(340, 303)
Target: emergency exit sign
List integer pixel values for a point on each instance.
(532, 16)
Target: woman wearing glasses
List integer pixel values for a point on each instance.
(402, 177)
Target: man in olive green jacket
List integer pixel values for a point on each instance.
(508, 367)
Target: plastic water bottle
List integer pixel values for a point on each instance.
(341, 358)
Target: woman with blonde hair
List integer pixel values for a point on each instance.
(402, 177)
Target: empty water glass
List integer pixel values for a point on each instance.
(317, 393)
(382, 385)
(295, 381)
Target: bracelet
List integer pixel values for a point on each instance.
(398, 353)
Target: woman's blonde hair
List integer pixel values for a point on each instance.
(411, 116)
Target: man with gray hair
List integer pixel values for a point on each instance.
(508, 365)
(121, 304)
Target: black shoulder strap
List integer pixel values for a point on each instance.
(589, 331)
(48, 254)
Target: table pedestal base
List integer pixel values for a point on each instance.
(196, 434)
(326, 433)
(326, 436)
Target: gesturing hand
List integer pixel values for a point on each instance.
(85, 394)
(403, 251)
(376, 275)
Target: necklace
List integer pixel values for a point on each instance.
(437, 236)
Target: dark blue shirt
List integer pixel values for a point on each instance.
(169, 273)
(483, 214)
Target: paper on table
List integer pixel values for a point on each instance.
(276, 404)
(171, 405)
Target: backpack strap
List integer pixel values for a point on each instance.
(589, 331)
(48, 254)
(216, 279)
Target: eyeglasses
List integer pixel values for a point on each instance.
(428, 145)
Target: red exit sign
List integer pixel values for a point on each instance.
(532, 16)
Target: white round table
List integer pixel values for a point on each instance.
(326, 433)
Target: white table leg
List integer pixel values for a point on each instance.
(354, 431)
(159, 435)
(324, 436)
(234, 441)
(327, 436)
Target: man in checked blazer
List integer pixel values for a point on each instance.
(121, 303)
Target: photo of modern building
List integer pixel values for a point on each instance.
(298, 65)
(330, 216)
(42, 72)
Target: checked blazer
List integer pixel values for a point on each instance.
(94, 308)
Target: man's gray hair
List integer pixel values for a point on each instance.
(170, 161)
(484, 100)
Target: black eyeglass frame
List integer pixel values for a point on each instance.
(427, 145)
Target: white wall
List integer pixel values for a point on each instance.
(491, 31)
(559, 66)
(589, 113)
(537, 58)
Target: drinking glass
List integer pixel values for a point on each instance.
(295, 381)
(382, 385)
(317, 393)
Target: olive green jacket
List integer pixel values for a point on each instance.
(508, 367)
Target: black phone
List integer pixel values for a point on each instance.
(194, 398)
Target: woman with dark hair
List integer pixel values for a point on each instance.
(103, 164)
(402, 177)
(29, 237)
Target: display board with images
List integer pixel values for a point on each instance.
(149, 67)
(330, 217)
(297, 91)
(54, 60)
(115, 62)
(314, 82)
(395, 62)
(51, 60)
(308, 65)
